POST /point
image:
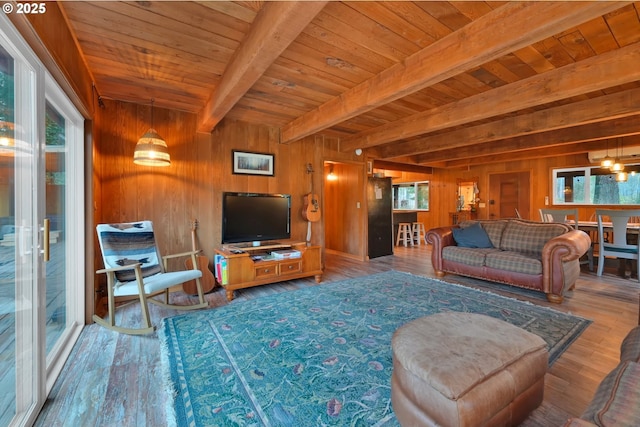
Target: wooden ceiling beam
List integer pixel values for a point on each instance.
(534, 153)
(510, 27)
(596, 73)
(405, 167)
(607, 107)
(537, 153)
(598, 131)
(275, 27)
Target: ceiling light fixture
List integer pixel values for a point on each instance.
(622, 177)
(607, 161)
(617, 165)
(151, 149)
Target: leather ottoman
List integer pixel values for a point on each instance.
(464, 369)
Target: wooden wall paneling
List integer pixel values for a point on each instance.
(206, 204)
(50, 38)
(289, 161)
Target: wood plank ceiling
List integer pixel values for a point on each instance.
(433, 83)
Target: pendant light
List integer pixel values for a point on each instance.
(617, 166)
(151, 149)
(607, 161)
(622, 176)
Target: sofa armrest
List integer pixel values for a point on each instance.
(556, 252)
(440, 238)
(567, 247)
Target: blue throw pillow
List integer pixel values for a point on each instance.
(473, 236)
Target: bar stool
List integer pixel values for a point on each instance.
(404, 234)
(418, 232)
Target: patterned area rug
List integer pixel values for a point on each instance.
(320, 355)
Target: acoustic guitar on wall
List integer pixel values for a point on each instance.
(311, 210)
(207, 280)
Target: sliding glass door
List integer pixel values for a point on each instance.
(18, 259)
(41, 230)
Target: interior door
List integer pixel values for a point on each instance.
(509, 194)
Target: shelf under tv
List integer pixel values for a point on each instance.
(242, 271)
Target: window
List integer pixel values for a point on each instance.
(411, 196)
(596, 186)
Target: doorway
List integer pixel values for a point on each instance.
(344, 207)
(509, 195)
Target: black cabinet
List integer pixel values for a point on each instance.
(380, 220)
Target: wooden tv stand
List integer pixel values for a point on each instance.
(244, 270)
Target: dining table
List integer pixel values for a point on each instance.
(592, 226)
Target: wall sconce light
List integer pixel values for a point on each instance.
(151, 149)
(332, 176)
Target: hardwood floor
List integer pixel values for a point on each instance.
(115, 379)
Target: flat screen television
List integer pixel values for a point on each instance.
(255, 217)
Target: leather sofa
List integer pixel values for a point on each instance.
(532, 255)
(617, 399)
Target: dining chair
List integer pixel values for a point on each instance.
(133, 268)
(620, 242)
(560, 215)
(568, 215)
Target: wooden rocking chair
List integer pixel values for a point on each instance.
(132, 265)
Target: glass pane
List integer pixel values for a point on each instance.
(606, 189)
(7, 241)
(404, 196)
(423, 195)
(597, 186)
(55, 194)
(17, 240)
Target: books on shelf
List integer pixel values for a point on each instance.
(221, 273)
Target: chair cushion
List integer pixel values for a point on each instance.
(156, 282)
(129, 243)
(473, 236)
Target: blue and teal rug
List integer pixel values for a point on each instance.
(320, 356)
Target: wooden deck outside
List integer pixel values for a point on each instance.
(114, 379)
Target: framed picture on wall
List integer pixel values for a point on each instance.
(249, 163)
